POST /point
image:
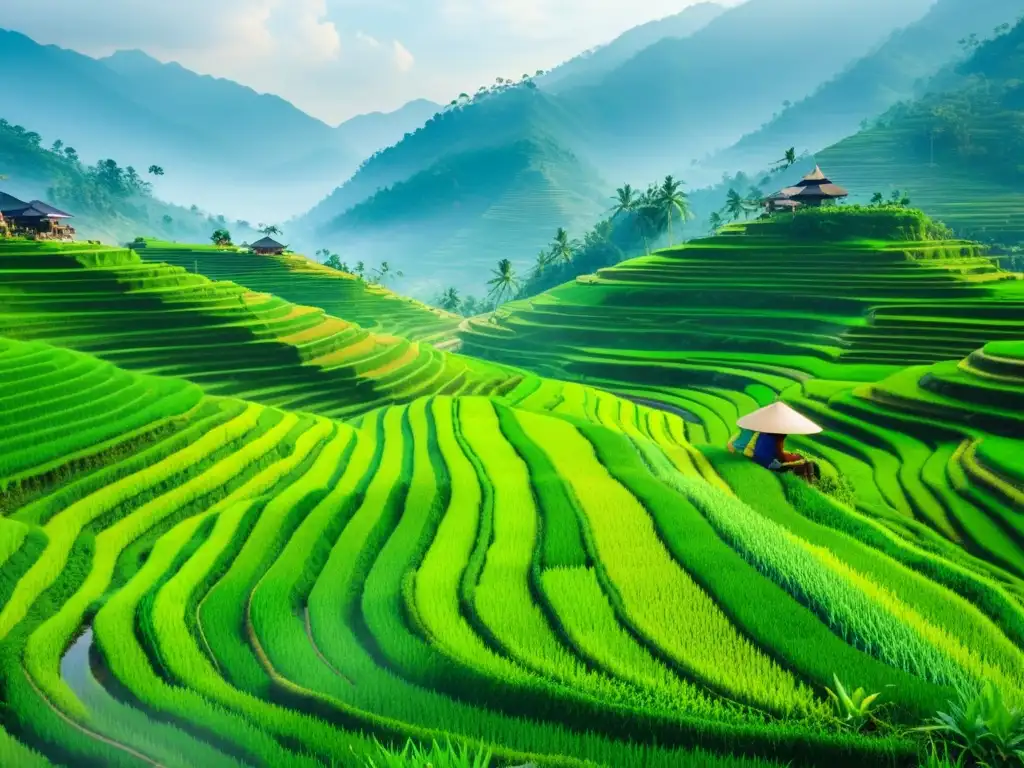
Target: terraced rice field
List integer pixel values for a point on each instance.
(727, 324)
(973, 202)
(158, 318)
(208, 581)
(300, 280)
(236, 531)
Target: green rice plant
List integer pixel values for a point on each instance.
(855, 709)
(63, 528)
(561, 539)
(502, 598)
(14, 753)
(656, 597)
(45, 645)
(412, 755)
(946, 568)
(129, 662)
(854, 606)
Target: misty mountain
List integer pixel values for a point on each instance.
(449, 224)
(899, 69)
(218, 141)
(680, 99)
(590, 66)
(647, 117)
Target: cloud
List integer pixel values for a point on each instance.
(404, 60)
(367, 39)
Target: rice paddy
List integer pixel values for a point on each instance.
(237, 531)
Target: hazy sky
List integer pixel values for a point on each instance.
(337, 58)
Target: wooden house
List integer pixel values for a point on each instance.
(267, 247)
(35, 219)
(813, 189)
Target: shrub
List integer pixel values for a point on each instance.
(437, 756)
(983, 728)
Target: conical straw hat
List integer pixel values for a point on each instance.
(778, 419)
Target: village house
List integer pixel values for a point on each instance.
(267, 247)
(812, 190)
(34, 219)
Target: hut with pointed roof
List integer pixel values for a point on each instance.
(268, 246)
(813, 189)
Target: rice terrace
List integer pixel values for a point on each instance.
(729, 475)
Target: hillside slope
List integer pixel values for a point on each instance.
(216, 139)
(820, 309)
(728, 67)
(449, 224)
(958, 152)
(903, 64)
(589, 67)
(106, 203)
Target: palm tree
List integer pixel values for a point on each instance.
(450, 300)
(735, 205)
(877, 199)
(156, 170)
(269, 229)
(562, 248)
(502, 284)
(542, 262)
(671, 200)
(715, 221)
(788, 160)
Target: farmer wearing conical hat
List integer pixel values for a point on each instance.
(762, 438)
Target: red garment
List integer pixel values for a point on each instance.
(782, 454)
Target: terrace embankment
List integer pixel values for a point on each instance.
(555, 573)
(826, 309)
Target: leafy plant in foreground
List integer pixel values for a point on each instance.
(415, 756)
(854, 710)
(983, 727)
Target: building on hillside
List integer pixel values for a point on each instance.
(813, 190)
(267, 247)
(35, 219)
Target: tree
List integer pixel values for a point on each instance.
(503, 284)
(715, 222)
(168, 221)
(156, 170)
(221, 238)
(877, 199)
(542, 262)
(450, 300)
(57, 146)
(562, 248)
(788, 160)
(269, 229)
(670, 199)
(384, 273)
(735, 205)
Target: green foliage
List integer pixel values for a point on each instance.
(221, 238)
(982, 726)
(853, 710)
(413, 755)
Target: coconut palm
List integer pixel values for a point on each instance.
(269, 229)
(450, 300)
(788, 160)
(503, 284)
(735, 205)
(670, 199)
(715, 221)
(156, 170)
(542, 262)
(562, 248)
